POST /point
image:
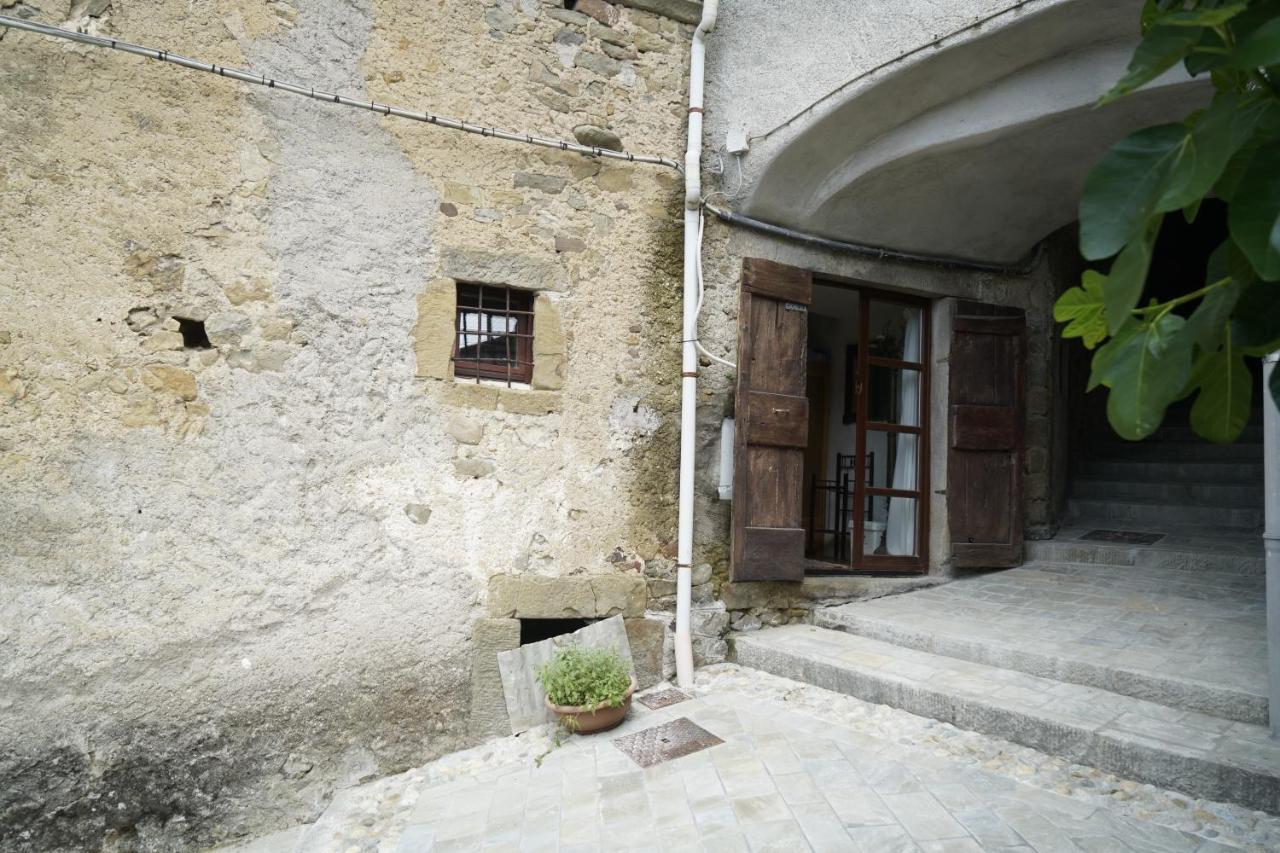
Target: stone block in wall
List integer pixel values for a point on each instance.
(647, 638)
(511, 269)
(433, 334)
(548, 344)
(685, 11)
(577, 597)
(488, 704)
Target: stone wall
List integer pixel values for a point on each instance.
(236, 575)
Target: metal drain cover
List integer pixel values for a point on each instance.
(662, 743)
(662, 699)
(1126, 537)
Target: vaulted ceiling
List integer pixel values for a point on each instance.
(976, 151)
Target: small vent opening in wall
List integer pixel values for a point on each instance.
(569, 4)
(537, 630)
(193, 333)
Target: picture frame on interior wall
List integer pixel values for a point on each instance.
(850, 384)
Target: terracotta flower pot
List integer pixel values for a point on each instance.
(600, 720)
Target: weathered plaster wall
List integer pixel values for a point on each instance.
(232, 579)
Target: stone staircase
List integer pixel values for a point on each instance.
(1146, 662)
(1174, 480)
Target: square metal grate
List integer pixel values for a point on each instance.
(662, 743)
(1125, 537)
(662, 699)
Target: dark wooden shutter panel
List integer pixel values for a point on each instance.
(984, 467)
(771, 423)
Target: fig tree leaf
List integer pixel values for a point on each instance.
(1161, 48)
(1208, 323)
(1254, 216)
(1222, 408)
(1146, 375)
(1104, 358)
(1082, 309)
(1203, 154)
(1122, 190)
(1255, 322)
(1259, 49)
(1122, 287)
(1201, 17)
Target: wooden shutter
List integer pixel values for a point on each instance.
(984, 468)
(771, 423)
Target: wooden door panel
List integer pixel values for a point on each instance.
(986, 425)
(781, 420)
(982, 473)
(772, 423)
(776, 365)
(985, 428)
(775, 498)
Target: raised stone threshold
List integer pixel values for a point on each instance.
(819, 591)
(1201, 755)
(1090, 667)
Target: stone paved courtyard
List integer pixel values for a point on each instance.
(800, 768)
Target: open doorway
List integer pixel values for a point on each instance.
(866, 463)
(1172, 486)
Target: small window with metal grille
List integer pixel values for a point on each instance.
(494, 334)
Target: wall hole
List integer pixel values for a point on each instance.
(569, 4)
(193, 334)
(537, 630)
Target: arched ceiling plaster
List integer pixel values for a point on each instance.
(976, 151)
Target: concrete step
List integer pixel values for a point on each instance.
(1226, 583)
(1201, 492)
(1227, 554)
(1195, 753)
(1163, 515)
(977, 628)
(1176, 451)
(1172, 472)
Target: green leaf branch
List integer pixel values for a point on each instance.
(1197, 343)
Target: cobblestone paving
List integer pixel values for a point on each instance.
(801, 768)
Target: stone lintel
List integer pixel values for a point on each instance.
(577, 597)
(509, 269)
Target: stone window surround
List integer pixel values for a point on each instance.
(435, 331)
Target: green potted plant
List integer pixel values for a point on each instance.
(589, 690)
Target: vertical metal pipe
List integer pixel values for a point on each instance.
(689, 353)
(1271, 536)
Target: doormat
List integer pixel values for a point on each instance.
(662, 699)
(1125, 537)
(675, 739)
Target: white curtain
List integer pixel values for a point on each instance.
(900, 535)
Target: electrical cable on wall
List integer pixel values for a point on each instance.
(333, 98)
(372, 106)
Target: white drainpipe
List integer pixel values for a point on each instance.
(689, 361)
(1271, 536)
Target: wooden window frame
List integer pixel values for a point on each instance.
(517, 305)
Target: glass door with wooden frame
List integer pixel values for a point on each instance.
(873, 490)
